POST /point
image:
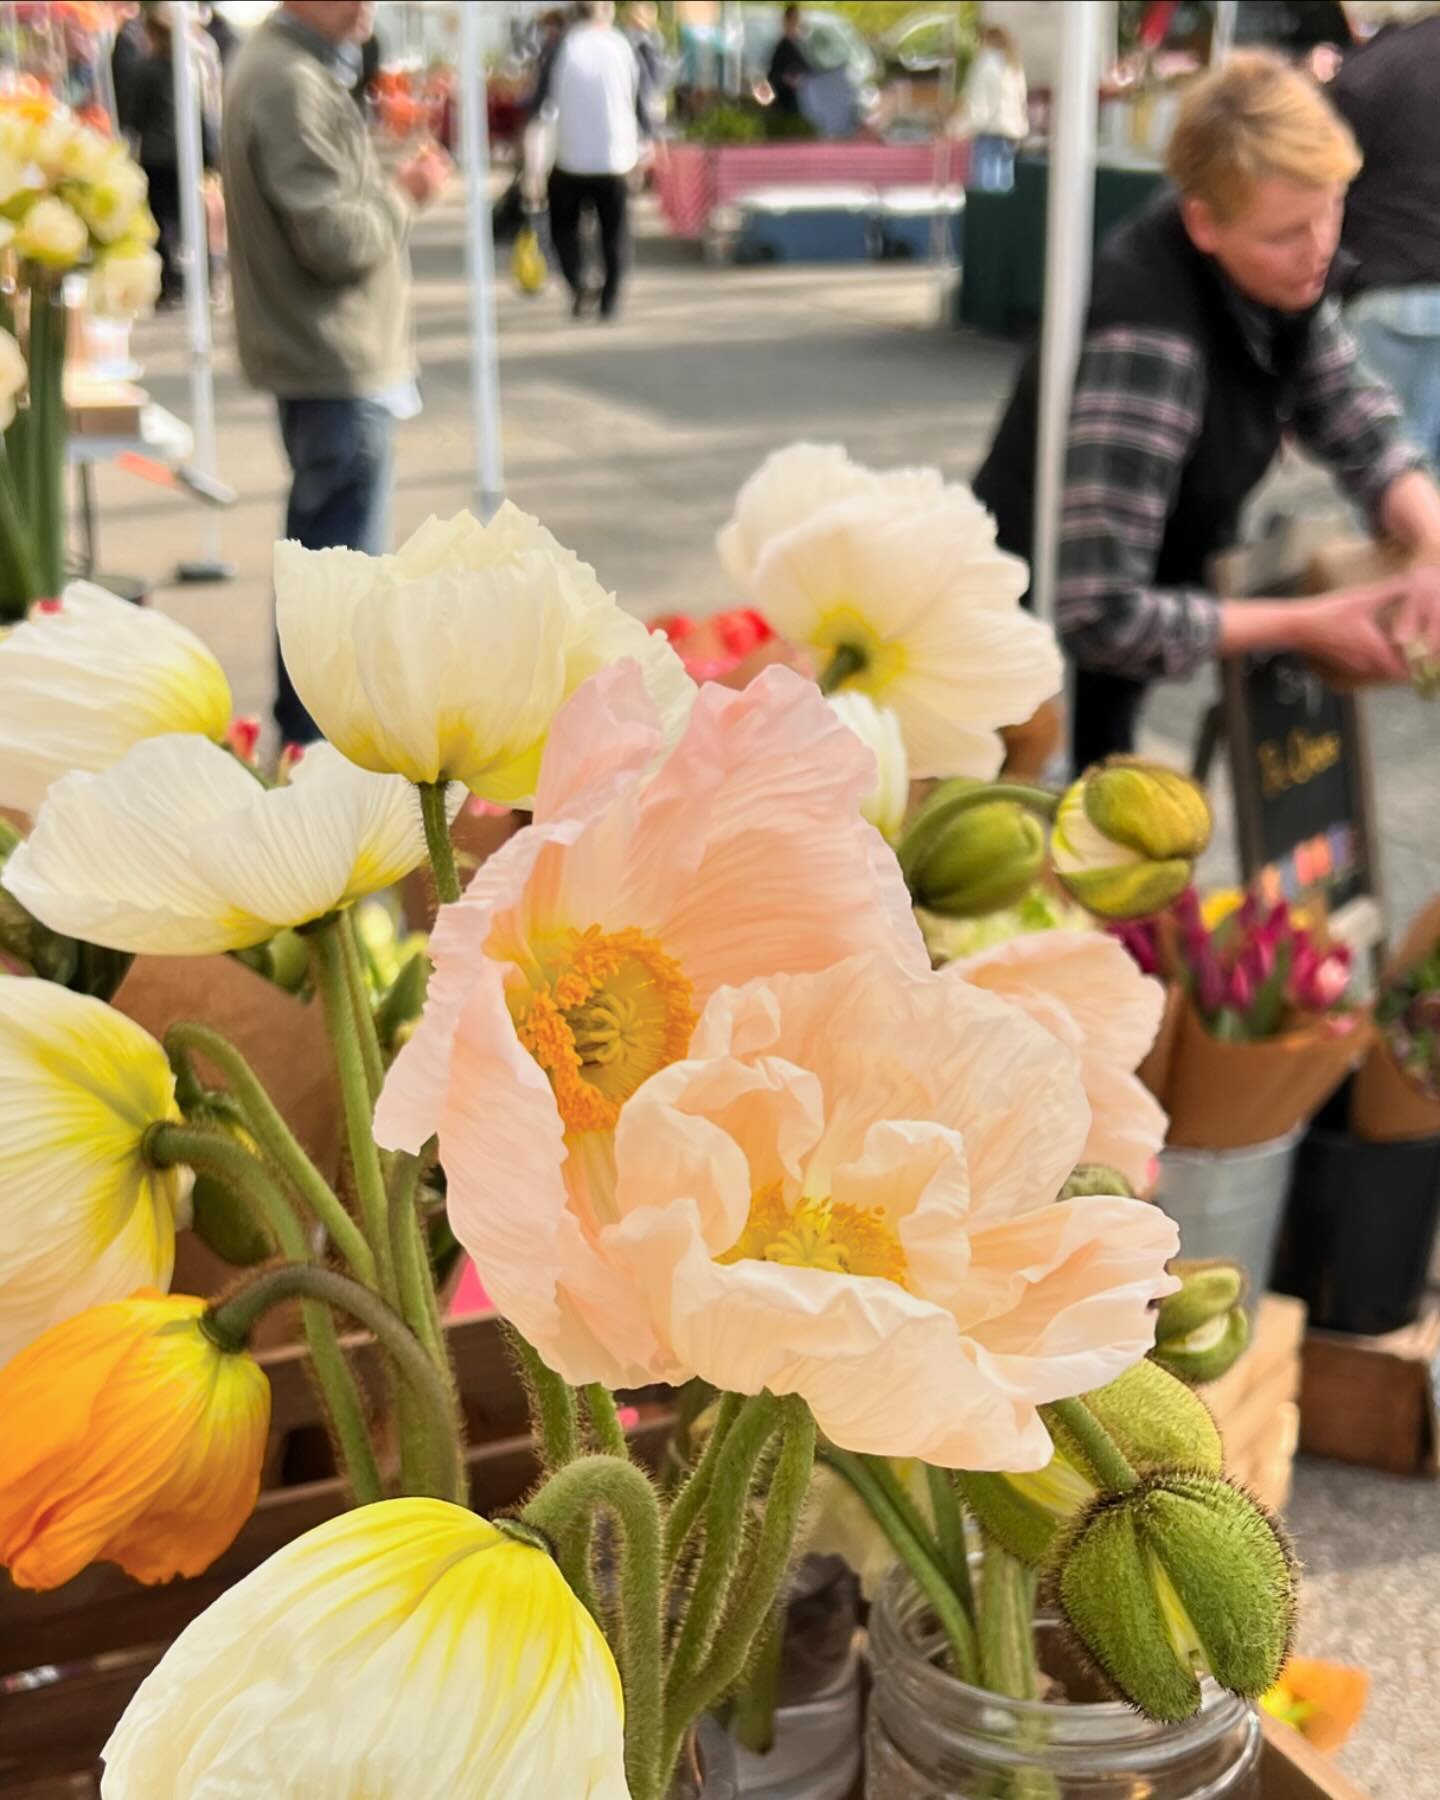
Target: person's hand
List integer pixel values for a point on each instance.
(1415, 626)
(1357, 633)
(424, 176)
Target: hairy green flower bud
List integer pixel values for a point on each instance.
(1126, 837)
(1183, 1576)
(1157, 1424)
(963, 859)
(1202, 1331)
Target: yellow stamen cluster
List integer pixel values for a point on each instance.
(615, 1009)
(819, 1234)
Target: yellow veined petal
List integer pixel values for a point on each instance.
(82, 683)
(83, 1217)
(177, 851)
(405, 1648)
(131, 1438)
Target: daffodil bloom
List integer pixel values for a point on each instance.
(879, 731)
(408, 1647)
(894, 586)
(582, 952)
(111, 201)
(125, 286)
(449, 660)
(83, 1216)
(52, 234)
(1085, 990)
(130, 1437)
(846, 1192)
(85, 677)
(176, 850)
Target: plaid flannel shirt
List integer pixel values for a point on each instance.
(1137, 412)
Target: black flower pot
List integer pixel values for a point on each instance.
(1359, 1228)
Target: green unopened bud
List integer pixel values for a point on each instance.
(1201, 1331)
(1156, 1423)
(1181, 1577)
(963, 859)
(401, 1007)
(1096, 1178)
(1126, 836)
(289, 961)
(220, 1218)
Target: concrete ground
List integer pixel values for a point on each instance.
(629, 441)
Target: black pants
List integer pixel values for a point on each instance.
(165, 209)
(569, 196)
(1105, 716)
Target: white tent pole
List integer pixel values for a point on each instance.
(196, 267)
(1223, 40)
(489, 480)
(1070, 211)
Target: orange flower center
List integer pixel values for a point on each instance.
(819, 1234)
(613, 1010)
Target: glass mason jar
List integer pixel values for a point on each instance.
(931, 1737)
(707, 1765)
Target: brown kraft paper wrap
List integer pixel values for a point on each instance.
(1232, 1096)
(285, 1043)
(1385, 1104)
(1154, 1071)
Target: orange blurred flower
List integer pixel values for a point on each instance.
(130, 1437)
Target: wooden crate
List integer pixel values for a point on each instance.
(1371, 1400)
(70, 1659)
(1256, 1405)
(1294, 1770)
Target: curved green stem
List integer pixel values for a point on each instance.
(231, 1320)
(552, 1404)
(327, 959)
(950, 1532)
(566, 1505)
(412, 1260)
(685, 1508)
(211, 1153)
(727, 1509)
(1101, 1451)
(914, 1520)
(268, 1127)
(1037, 800)
(360, 1008)
(435, 815)
(1007, 1626)
(609, 1433)
(769, 1569)
(928, 1576)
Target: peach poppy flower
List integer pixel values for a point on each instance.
(578, 960)
(1084, 988)
(847, 1192)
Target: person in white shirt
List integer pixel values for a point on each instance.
(595, 96)
(996, 111)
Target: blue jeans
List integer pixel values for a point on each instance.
(992, 164)
(1399, 334)
(340, 460)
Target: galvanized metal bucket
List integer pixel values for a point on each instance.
(1229, 1203)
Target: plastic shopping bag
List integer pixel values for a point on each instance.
(527, 261)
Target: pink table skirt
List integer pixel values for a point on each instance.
(693, 179)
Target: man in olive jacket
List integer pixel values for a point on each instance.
(320, 272)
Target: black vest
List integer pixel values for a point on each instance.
(1149, 275)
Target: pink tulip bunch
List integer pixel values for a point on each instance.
(1257, 969)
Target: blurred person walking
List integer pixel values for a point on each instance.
(996, 111)
(789, 65)
(320, 277)
(1389, 94)
(594, 94)
(152, 120)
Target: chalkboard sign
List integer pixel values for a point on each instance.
(1299, 766)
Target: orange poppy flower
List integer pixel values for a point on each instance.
(130, 1437)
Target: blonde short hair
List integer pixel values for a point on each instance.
(1252, 117)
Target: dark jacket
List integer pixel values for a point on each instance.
(1149, 275)
(1389, 92)
(153, 118)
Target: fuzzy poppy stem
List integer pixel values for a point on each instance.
(437, 840)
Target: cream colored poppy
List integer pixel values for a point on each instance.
(449, 660)
(176, 850)
(406, 1648)
(879, 731)
(85, 678)
(83, 1216)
